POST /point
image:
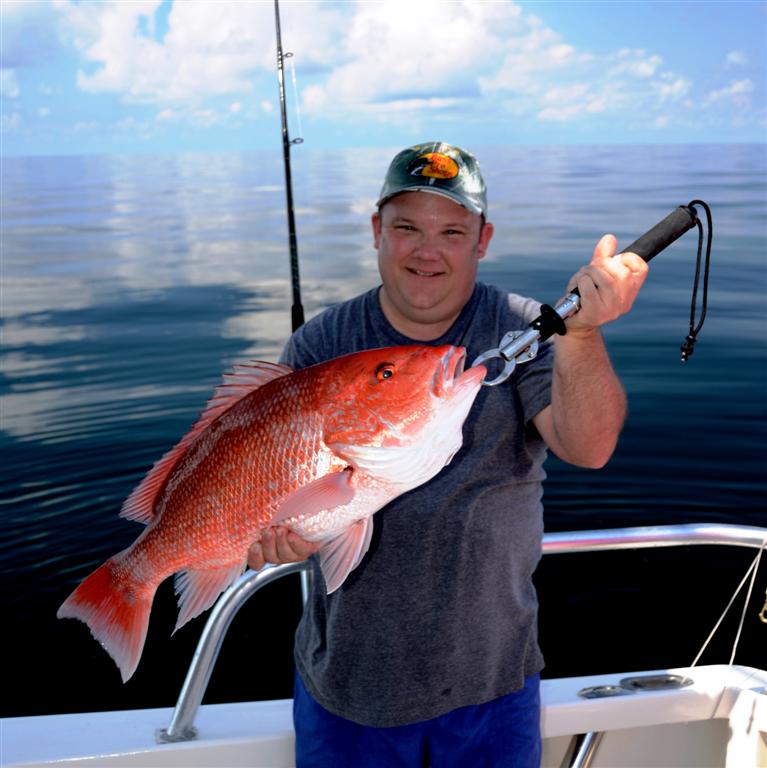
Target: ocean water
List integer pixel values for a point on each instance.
(129, 284)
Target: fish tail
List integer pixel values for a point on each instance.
(116, 611)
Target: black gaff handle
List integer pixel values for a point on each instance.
(648, 246)
(652, 242)
(522, 346)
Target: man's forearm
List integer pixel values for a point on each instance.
(588, 404)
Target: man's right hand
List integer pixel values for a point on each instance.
(280, 545)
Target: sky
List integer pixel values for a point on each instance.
(159, 76)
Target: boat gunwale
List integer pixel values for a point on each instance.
(181, 725)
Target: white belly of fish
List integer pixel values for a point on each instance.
(379, 475)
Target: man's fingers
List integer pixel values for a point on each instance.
(256, 557)
(302, 547)
(263, 551)
(604, 249)
(590, 280)
(279, 545)
(603, 253)
(285, 552)
(635, 264)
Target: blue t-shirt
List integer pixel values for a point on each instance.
(441, 613)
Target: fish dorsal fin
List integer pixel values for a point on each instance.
(244, 379)
(342, 554)
(197, 590)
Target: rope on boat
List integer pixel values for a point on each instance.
(751, 571)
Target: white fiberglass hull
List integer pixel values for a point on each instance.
(718, 720)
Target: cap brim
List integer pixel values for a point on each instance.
(459, 199)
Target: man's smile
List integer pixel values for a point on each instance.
(423, 273)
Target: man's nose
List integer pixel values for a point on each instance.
(428, 247)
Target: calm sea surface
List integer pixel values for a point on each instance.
(131, 283)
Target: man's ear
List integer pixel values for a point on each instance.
(375, 221)
(485, 236)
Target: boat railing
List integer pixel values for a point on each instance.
(181, 726)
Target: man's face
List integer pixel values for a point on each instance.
(428, 252)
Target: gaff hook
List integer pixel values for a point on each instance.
(522, 346)
(512, 349)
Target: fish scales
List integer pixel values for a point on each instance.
(318, 450)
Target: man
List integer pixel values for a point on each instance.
(428, 654)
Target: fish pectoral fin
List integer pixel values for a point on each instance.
(198, 589)
(340, 555)
(328, 491)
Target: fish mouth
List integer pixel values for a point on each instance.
(450, 376)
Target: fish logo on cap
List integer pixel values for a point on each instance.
(435, 165)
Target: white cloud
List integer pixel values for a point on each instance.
(482, 57)
(139, 129)
(671, 88)
(735, 59)
(437, 53)
(426, 104)
(737, 92)
(636, 63)
(10, 122)
(205, 117)
(387, 60)
(570, 102)
(9, 84)
(209, 48)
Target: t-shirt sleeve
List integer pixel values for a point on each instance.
(534, 382)
(533, 378)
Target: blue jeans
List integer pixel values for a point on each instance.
(504, 733)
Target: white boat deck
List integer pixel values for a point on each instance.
(719, 720)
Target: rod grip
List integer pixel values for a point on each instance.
(652, 242)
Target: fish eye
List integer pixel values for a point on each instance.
(385, 371)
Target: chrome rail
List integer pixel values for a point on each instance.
(584, 747)
(181, 726)
(654, 536)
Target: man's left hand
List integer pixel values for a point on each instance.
(608, 286)
(280, 545)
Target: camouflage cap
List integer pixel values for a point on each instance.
(440, 168)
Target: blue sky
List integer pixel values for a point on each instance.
(122, 76)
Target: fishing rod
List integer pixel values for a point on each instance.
(297, 309)
(522, 346)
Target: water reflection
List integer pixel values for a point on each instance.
(131, 283)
